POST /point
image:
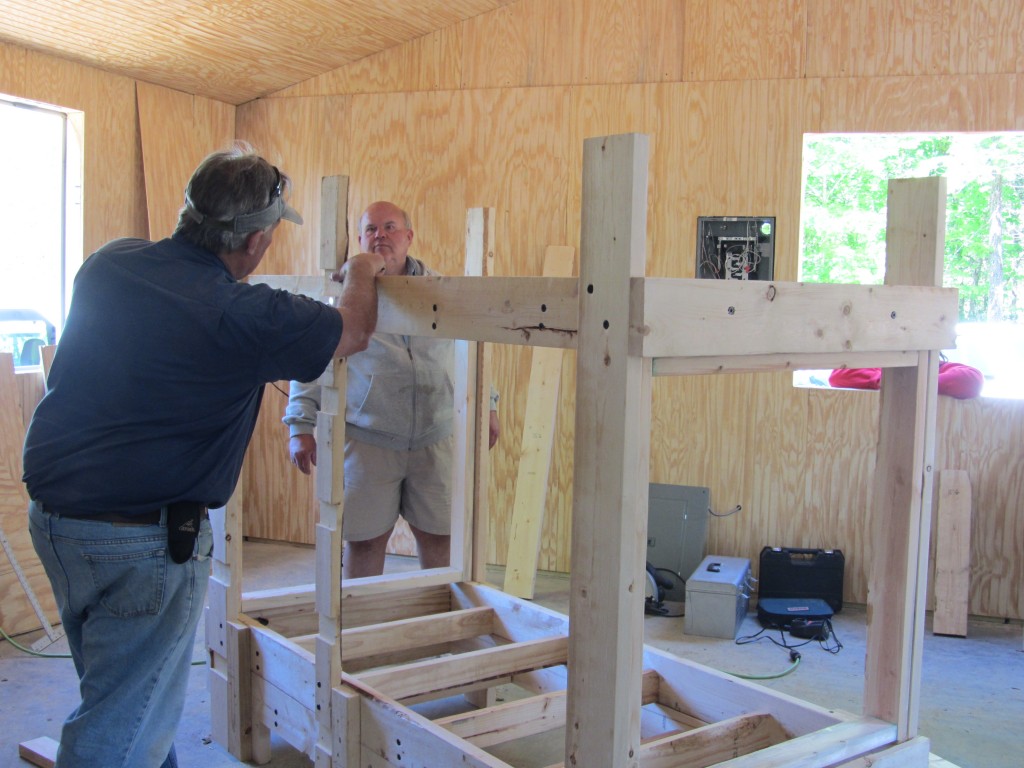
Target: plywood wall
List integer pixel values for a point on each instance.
(494, 112)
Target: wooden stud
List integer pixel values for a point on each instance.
(952, 553)
(333, 222)
(480, 250)
(535, 455)
(613, 402)
(897, 575)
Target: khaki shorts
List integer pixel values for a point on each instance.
(381, 484)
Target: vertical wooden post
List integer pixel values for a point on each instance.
(472, 397)
(330, 484)
(902, 494)
(613, 406)
(226, 637)
(330, 442)
(952, 553)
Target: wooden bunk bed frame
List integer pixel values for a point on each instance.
(336, 669)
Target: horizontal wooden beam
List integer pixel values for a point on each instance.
(389, 583)
(908, 754)
(717, 326)
(710, 695)
(530, 311)
(520, 718)
(281, 663)
(684, 366)
(827, 747)
(394, 735)
(438, 675)
(282, 597)
(711, 318)
(279, 711)
(376, 639)
(510, 720)
(714, 743)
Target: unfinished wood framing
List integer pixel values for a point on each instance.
(536, 449)
(340, 673)
(952, 553)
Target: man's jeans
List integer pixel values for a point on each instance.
(130, 615)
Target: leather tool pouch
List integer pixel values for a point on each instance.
(183, 519)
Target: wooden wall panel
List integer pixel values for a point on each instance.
(169, 152)
(280, 501)
(429, 63)
(533, 42)
(870, 38)
(841, 443)
(13, 69)
(984, 437)
(986, 37)
(527, 43)
(177, 131)
(740, 40)
(543, 43)
(517, 164)
(947, 103)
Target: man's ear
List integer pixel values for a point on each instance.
(253, 242)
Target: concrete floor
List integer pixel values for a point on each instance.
(972, 693)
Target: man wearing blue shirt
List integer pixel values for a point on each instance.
(152, 399)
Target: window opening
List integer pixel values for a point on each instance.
(842, 228)
(40, 223)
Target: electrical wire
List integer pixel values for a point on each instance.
(732, 511)
(794, 657)
(31, 652)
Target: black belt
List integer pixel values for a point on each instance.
(149, 517)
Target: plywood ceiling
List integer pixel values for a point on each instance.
(230, 50)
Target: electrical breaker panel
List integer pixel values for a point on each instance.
(736, 247)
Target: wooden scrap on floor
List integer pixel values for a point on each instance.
(535, 457)
(41, 751)
(952, 554)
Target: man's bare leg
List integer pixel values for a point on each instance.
(434, 549)
(364, 558)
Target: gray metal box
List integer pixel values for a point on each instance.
(717, 595)
(677, 519)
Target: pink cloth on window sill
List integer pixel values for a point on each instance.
(955, 379)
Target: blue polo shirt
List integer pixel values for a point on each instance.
(157, 379)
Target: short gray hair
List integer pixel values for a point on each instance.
(227, 184)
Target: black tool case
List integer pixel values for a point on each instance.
(802, 573)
